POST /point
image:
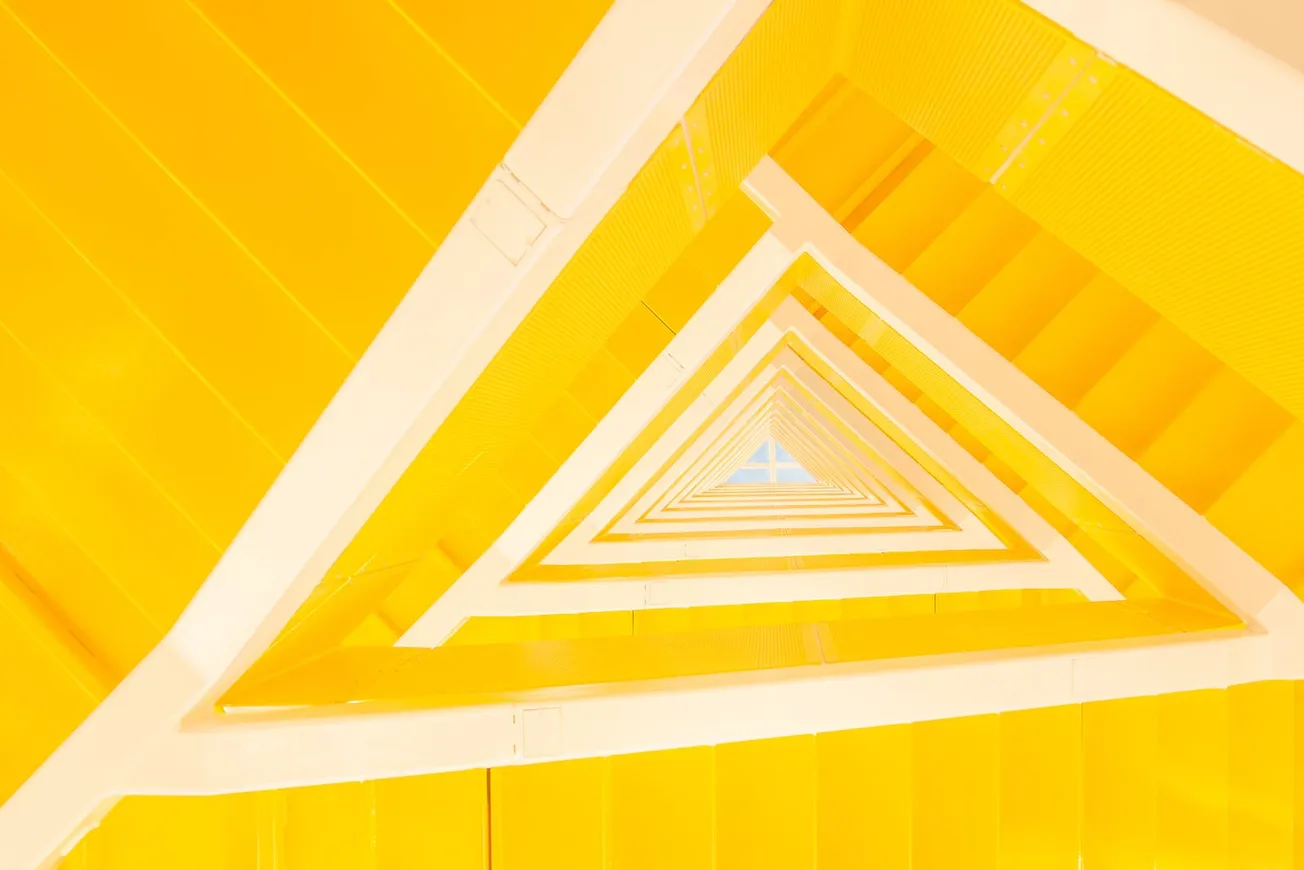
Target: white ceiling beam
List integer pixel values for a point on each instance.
(694, 712)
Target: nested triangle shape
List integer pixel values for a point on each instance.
(878, 496)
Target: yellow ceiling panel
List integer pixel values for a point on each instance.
(140, 535)
(1020, 299)
(1083, 341)
(969, 253)
(1262, 509)
(42, 699)
(600, 384)
(513, 51)
(767, 83)
(918, 209)
(637, 341)
(1147, 387)
(160, 248)
(396, 106)
(955, 70)
(272, 181)
(1202, 227)
(93, 345)
(1207, 446)
(843, 140)
(100, 613)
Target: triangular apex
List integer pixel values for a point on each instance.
(771, 463)
(790, 393)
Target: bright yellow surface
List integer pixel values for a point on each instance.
(1041, 781)
(957, 793)
(670, 620)
(864, 796)
(1120, 762)
(210, 207)
(207, 210)
(459, 674)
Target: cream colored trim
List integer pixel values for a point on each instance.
(696, 712)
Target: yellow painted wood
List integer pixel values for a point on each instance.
(957, 793)
(1262, 510)
(382, 93)
(1120, 768)
(93, 345)
(44, 694)
(331, 826)
(706, 262)
(1191, 819)
(433, 573)
(1262, 761)
(1149, 385)
(1041, 761)
(161, 833)
(1022, 298)
(924, 204)
(844, 139)
(765, 804)
(514, 51)
(864, 798)
(113, 628)
(955, 71)
(297, 205)
(121, 210)
(556, 626)
(600, 384)
(638, 339)
(662, 810)
(113, 507)
(563, 427)
(1146, 186)
(966, 255)
(1207, 446)
(433, 821)
(548, 816)
(1084, 340)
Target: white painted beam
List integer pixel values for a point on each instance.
(701, 711)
